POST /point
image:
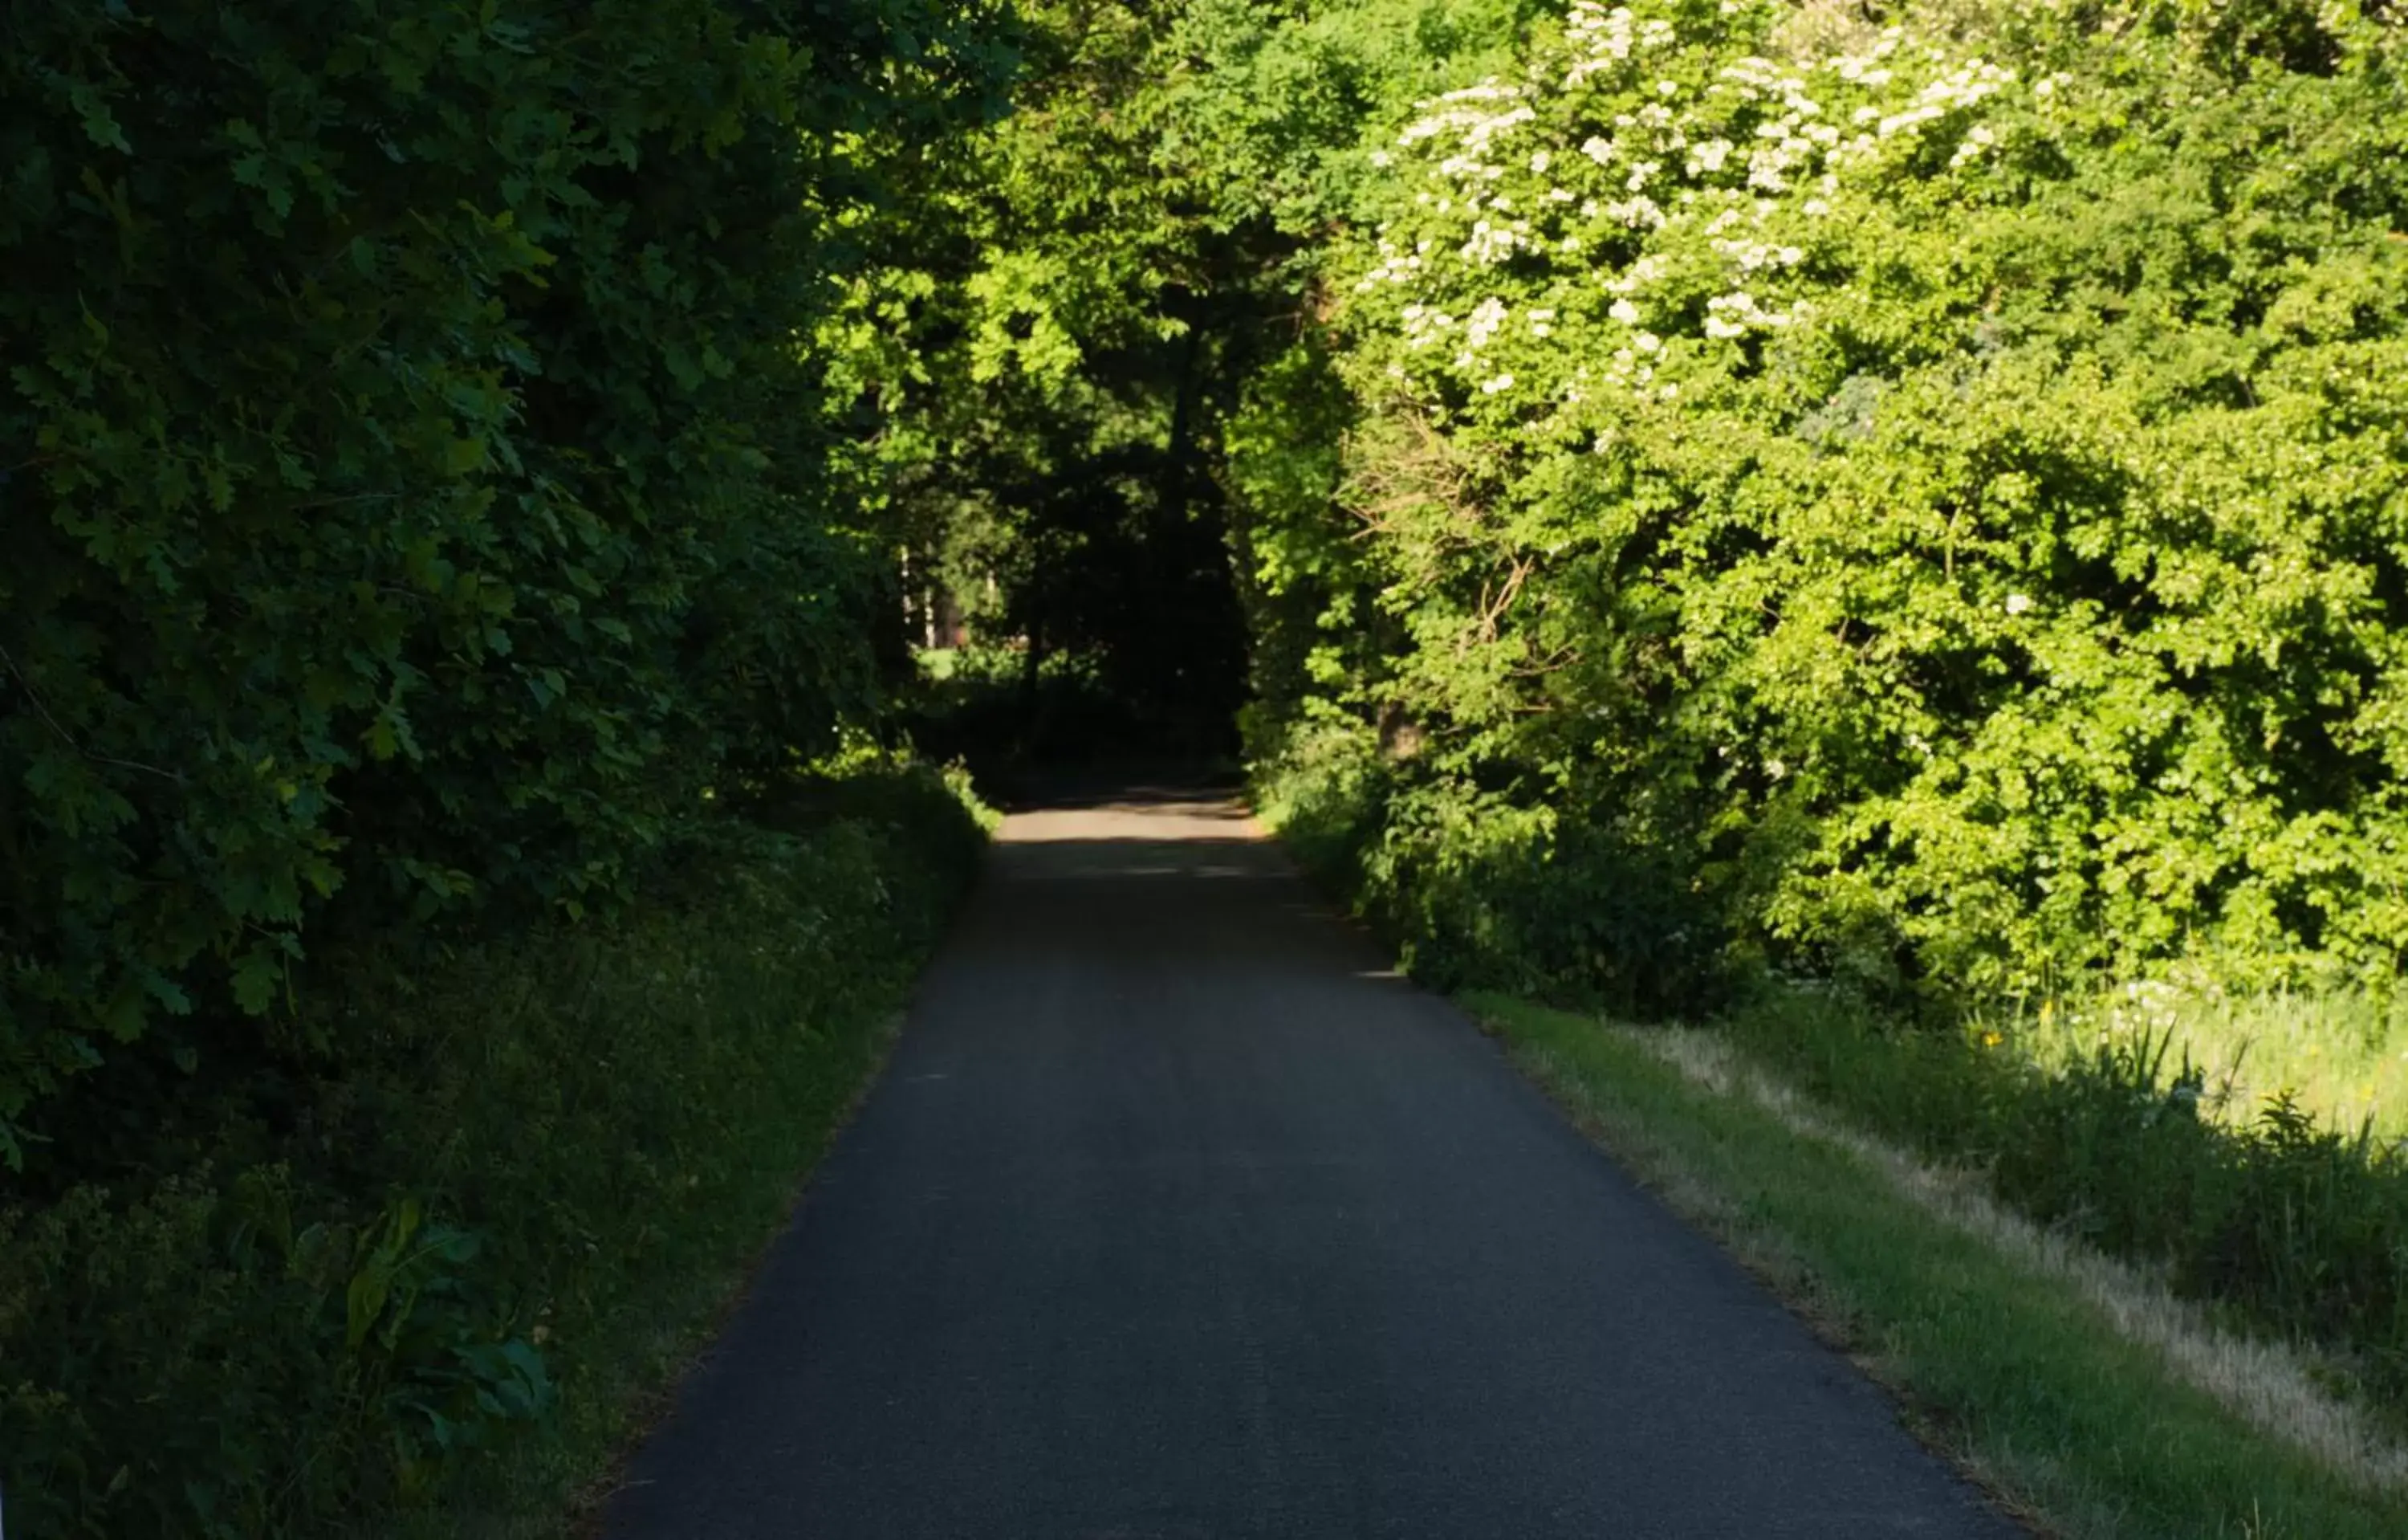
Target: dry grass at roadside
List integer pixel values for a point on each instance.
(2274, 1386)
(2078, 1388)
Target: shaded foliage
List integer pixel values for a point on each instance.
(1093, 282)
(416, 496)
(333, 1299)
(436, 538)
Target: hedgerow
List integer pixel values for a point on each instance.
(435, 541)
(1939, 486)
(417, 496)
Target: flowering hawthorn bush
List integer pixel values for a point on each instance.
(1948, 499)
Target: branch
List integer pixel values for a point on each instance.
(68, 739)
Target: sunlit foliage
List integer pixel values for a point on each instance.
(1934, 486)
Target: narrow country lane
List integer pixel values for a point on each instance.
(1177, 1214)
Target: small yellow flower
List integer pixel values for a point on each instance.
(1991, 1039)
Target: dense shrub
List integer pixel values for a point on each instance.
(1480, 893)
(1937, 488)
(543, 1164)
(416, 496)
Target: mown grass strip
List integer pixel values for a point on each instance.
(2005, 1366)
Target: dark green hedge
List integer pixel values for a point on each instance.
(416, 494)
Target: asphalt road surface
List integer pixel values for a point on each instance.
(1177, 1214)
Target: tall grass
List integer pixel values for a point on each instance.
(2340, 1054)
(2287, 1223)
(425, 1289)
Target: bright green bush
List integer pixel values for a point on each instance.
(1832, 522)
(416, 495)
(1939, 488)
(479, 1248)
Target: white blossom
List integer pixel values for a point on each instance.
(1488, 319)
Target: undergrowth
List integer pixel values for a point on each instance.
(438, 1280)
(982, 706)
(2294, 1225)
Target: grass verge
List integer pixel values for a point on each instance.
(2006, 1362)
(430, 1283)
